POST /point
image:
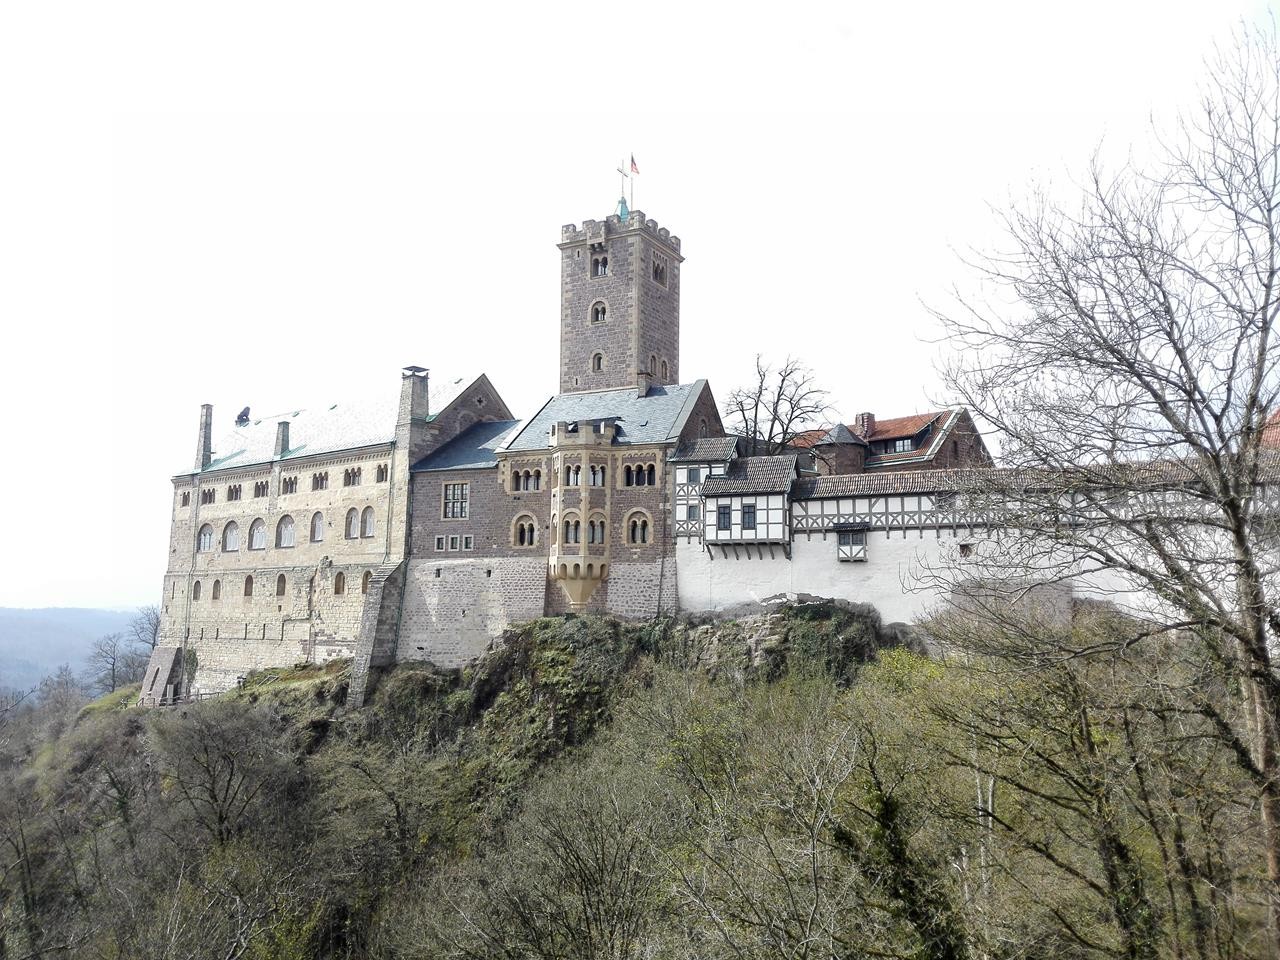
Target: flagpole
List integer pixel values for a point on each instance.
(633, 184)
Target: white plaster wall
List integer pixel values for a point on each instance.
(888, 579)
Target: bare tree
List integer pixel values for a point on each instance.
(144, 628)
(115, 661)
(778, 406)
(1131, 381)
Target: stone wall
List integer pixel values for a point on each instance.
(453, 608)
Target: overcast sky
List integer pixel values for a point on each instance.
(272, 204)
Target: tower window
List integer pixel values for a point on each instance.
(665, 374)
(598, 312)
(653, 365)
(659, 269)
(597, 362)
(599, 266)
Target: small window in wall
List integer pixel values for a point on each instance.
(693, 512)
(248, 586)
(217, 590)
(468, 542)
(339, 584)
(195, 591)
(748, 516)
(600, 266)
(186, 498)
(288, 484)
(367, 526)
(317, 527)
(439, 543)
(455, 542)
(261, 488)
(851, 545)
(597, 362)
(659, 269)
(524, 534)
(380, 475)
(966, 549)
(902, 446)
(455, 501)
(598, 312)
(649, 475)
(702, 427)
(695, 475)
(724, 517)
(638, 529)
(281, 585)
(665, 375)
(365, 581)
(204, 541)
(653, 365)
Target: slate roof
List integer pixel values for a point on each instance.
(753, 475)
(656, 417)
(476, 446)
(323, 427)
(705, 450)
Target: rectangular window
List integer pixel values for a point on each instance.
(455, 501)
(903, 446)
(467, 543)
(439, 543)
(453, 542)
(724, 517)
(693, 512)
(748, 516)
(695, 475)
(852, 538)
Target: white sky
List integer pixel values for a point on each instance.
(269, 204)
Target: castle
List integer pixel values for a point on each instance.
(420, 524)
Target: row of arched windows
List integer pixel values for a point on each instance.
(282, 586)
(639, 475)
(360, 524)
(573, 475)
(637, 527)
(529, 480)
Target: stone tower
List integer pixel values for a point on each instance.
(619, 304)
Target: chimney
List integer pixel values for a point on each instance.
(411, 422)
(204, 447)
(643, 381)
(864, 424)
(282, 438)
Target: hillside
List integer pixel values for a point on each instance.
(35, 642)
(794, 784)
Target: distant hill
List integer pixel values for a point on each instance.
(34, 643)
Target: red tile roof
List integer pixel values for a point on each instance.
(901, 427)
(1271, 431)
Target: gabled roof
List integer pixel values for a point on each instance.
(324, 427)
(899, 428)
(753, 475)
(476, 446)
(705, 450)
(656, 417)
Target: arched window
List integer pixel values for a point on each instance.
(204, 541)
(537, 479)
(353, 524)
(639, 476)
(568, 476)
(627, 477)
(317, 527)
(248, 586)
(195, 591)
(598, 312)
(258, 535)
(702, 427)
(524, 532)
(577, 476)
(592, 475)
(648, 475)
(515, 482)
(653, 364)
(597, 362)
(217, 590)
(365, 581)
(568, 531)
(231, 537)
(281, 583)
(638, 528)
(599, 266)
(665, 375)
(339, 584)
(577, 531)
(366, 522)
(284, 531)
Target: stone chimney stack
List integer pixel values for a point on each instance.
(864, 424)
(204, 447)
(411, 423)
(282, 439)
